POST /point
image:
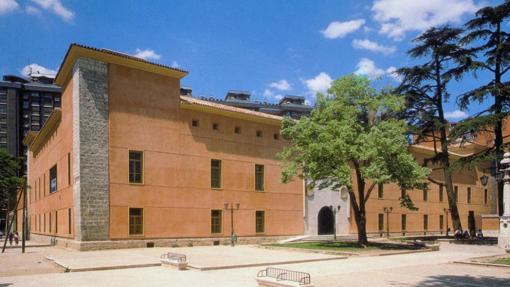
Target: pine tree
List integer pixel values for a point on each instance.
(425, 89)
(492, 43)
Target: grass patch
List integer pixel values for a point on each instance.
(504, 261)
(346, 246)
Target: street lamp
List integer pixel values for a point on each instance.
(446, 210)
(484, 179)
(388, 210)
(232, 207)
(335, 209)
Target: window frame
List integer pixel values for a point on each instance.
(263, 212)
(212, 223)
(142, 167)
(55, 169)
(257, 187)
(380, 222)
(468, 195)
(211, 170)
(142, 222)
(380, 191)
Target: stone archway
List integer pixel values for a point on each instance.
(326, 221)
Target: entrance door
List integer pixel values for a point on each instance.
(471, 223)
(326, 221)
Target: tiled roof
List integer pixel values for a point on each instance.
(218, 106)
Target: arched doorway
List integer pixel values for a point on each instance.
(326, 221)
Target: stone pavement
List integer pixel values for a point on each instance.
(420, 269)
(200, 257)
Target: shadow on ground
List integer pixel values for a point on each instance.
(454, 281)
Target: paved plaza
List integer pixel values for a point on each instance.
(419, 269)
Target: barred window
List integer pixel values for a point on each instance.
(259, 177)
(260, 221)
(135, 221)
(215, 173)
(135, 166)
(216, 221)
(53, 179)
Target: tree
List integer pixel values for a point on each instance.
(351, 140)
(425, 89)
(486, 31)
(9, 179)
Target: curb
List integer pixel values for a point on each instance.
(206, 268)
(100, 268)
(482, 264)
(350, 254)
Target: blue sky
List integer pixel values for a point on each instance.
(269, 48)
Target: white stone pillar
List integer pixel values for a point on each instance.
(504, 222)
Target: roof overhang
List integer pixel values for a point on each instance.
(76, 51)
(189, 103)
(36, 140)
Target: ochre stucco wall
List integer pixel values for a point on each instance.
(176, 194)
(44, 206)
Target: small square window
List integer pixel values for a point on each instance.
(276, 136)
(237, 130)
(259, 133)
(194, 123)
(215, 126)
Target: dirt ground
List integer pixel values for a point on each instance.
(13, 262)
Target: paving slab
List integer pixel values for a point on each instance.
(200, 257)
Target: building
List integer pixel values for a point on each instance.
(292, 106)
(25, 104)
(476, 201)
(128, 162)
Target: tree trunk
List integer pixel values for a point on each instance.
(498, 128)
(359, 208)
(445, 156)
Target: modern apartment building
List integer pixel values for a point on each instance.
(25, 104)
(292, 106)
(128, 161)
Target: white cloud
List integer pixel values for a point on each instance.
(147, 54)
(455, 115)
(340, 29)
(36, 69)
(268, 94)
(7, 6)
(174, 64)
(32, 10)
(56, 7)
(373, 46)
(368, 68)
(396, 17)
(392, 72)
(319, 84)
(281, 85)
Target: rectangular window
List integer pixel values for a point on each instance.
(381, 221)
(135, 221)
(56, 222)
(276, 136)
(259, 133)
(485, 195)
(425, 222)
(135, 166)
(215, 126)
(441, 222)
(53, 179)
(69, 220)
(403, 193)
(39, 188)
(260, 221)
(469, 195)
(49, 218)
(194, 123)
(237, 130)
(456, 193)
(441, 190)
(380, 190)
(69, 168)
(216, 221)
(259, 177)
(403, 222)
(425, 194)
(215, 173)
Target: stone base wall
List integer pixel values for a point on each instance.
(144, 243)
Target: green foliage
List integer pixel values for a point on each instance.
(349, 129)
(9, 179)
